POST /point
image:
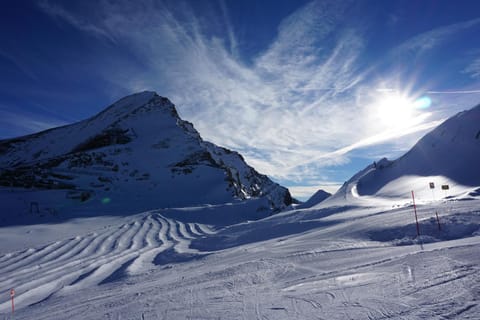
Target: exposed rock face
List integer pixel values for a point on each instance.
(138, 148)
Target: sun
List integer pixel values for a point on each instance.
(395, 110)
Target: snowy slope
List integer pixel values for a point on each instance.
(448, 155)
(330, 263)
(135, 155)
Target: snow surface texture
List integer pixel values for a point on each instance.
(355, 255)
(331, 263)
(139, 149)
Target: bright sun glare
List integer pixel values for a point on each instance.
(398, 111)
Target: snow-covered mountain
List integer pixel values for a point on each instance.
(448, 155)
(139, 150)
(315, 199)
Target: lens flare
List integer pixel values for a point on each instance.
(106, 200)
(422, 103)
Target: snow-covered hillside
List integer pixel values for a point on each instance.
(135, 155)
(447, 156)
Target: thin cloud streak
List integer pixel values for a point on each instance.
(20, 66)
(373, 140)
(58, 12)
(232, 40)
(22, 124)
(473, 69)
(430, 39)
(454, 92)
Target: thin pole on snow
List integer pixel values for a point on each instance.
(415, 210)
(438, 221)
(12, 295)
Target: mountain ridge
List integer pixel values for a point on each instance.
(137, 147)
(446, 156)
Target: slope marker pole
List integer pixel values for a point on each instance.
(12, 295)
(415, 210)
(438, 221)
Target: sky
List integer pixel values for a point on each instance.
(309, 92)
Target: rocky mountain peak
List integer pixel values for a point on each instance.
(137, 148)
(138, 103)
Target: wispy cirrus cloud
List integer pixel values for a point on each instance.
(18, 64)
(428, 40)
(287, 104)
(473, 69)
(75, 20)
(22, 123)
(299, 106)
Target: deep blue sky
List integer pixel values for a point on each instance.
(309, 92)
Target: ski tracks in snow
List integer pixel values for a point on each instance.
(92, 259)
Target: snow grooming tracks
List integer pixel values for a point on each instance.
(96, 258)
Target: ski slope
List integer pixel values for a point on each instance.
(348, 262)
(95, 258)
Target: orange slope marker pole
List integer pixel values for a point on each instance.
(12, 295)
